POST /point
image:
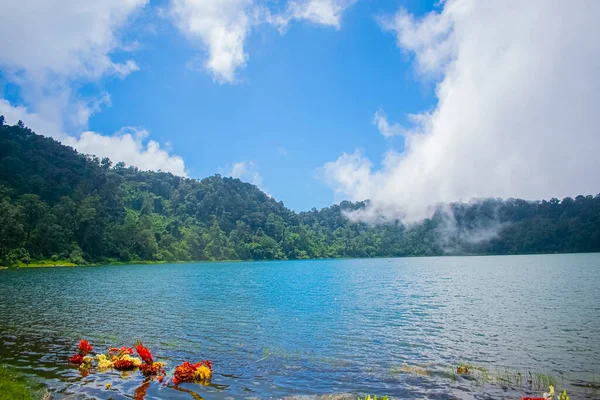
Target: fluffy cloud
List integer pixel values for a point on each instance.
(46, 54)
(131, 146)
(324, 12)
(246, 171)
(36, 122)
(385, 128)
(516, 113)
(222, 26)
(60, 38)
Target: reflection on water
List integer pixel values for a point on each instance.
(279, 329)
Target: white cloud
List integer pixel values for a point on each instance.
(246, 171)
(221, 26)
(385, 128)
(55, 43)
(36, 122)
(73, 38)
(122, 70)
(324, 12)
(516, 115)
(429, 39)
(129, 144)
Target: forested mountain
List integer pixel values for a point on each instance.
(58, 204)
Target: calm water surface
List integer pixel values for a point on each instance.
(278, 329)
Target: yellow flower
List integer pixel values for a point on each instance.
(86, 363)
(103, 362)
(202, 374)
(136, 361)
(108, 385)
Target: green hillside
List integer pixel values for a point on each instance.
(57, 204)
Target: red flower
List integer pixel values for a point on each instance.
(76, 359)
(144, 353)
(184, 373)
(123, 365)
(84, 347)
(151, 369)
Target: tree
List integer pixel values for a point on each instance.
(57, 203)
(11, 228)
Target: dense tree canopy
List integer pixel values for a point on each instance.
(58, 204)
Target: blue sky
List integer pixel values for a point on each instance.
(305, 96)
(284, 94)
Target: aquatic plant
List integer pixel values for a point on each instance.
(464, 369)
(412, 369)
(15, 385)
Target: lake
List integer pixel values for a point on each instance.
(395, 327)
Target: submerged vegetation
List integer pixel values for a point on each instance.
(15, 385)
(482, 376)
(59, 207)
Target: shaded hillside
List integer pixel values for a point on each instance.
(58, 204)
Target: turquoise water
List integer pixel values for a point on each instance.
(278, 329)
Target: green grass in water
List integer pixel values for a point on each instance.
(15, 386)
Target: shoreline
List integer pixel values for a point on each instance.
(65, 263)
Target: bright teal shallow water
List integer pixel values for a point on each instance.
(277, 329)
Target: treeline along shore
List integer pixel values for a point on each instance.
(60, 207)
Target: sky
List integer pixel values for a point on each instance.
(407, 103)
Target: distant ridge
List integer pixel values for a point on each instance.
(58, 204)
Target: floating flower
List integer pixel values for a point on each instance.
(103, 362)
(76, 359)
(119, 352)
(126, 363)
(84, 347)
(86, 362)
(202, 374)
(152, 369)
(144, 353)
(199, 373)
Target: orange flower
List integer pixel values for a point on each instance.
(144, 353)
